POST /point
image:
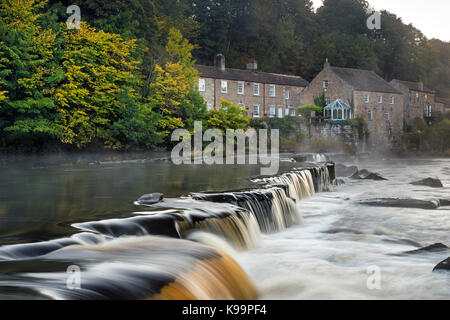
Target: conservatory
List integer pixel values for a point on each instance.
(337, 110)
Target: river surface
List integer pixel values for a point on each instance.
(334, 253)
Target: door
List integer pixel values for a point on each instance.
(280, 112)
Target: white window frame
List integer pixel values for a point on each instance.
(325, 84)
(366, 98)
(272, 115)
(387, 115)
(256, 89)
(256, 115)
(272, 90)
(286, 95)
(428, 111)
(327, 100)
(240, 85)
(292, 112)
(224, 86)
(370, 115)
(201, 85)
(380, 99)
(392, 100)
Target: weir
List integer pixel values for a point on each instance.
(140, 256)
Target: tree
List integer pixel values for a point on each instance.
(97, 67)
(229, 116)
(27, 76)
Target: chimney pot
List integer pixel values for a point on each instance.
(326, 64)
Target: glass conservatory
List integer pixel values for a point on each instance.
(337, 110)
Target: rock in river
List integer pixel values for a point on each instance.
(150, 198)
(436, 247)
(443, 265)
(345, 171)
(429, 182)
(366, 175)
(401, 203)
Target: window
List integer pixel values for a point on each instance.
(428, 111)
(325, 84)
(224, 86)
(287, 111)
(366, 98)
(272, 111)
(256, 111)
(369, 115)
(392, 100)
(201, 85)
(272, 90)
(380, 99)
(417, 95)
(327, 100)
(292, 112)
(387, 115)
(256, 89)
(240, 88)
(286, 94)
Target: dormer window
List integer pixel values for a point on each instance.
(325, 84)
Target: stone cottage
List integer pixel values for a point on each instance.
(368, 95)
(419, 101)
(262, 94)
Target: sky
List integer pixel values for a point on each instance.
(432, 17)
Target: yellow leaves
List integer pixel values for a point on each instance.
(3, 96)
(19, 14)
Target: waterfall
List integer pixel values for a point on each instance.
(232, 223)
(271, 207)
(146, 255)
(147, 267)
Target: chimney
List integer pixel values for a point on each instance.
(219, 62)
(252, 66)
(421, 86)
(326, 64)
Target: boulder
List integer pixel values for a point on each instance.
(151, 198)
(443, 265)
(299, 158)
(429, 182)
(366, 175)
(401, 203)
(345, 171)
(436, 247)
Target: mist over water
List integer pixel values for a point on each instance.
(327, 257)
(293, 236)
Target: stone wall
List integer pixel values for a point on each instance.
(213, 95)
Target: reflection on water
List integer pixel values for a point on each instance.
(41, 197)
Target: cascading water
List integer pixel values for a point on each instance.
(271, 207)
(145, 256)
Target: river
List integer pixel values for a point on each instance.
(81, 211)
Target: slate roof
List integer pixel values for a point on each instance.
(364, 80)
(413, 86)
(248, 76)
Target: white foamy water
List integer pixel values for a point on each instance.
(329, 255)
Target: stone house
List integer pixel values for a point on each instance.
(419, 101)
(368, 95)
(262, 94)
(442, 105)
